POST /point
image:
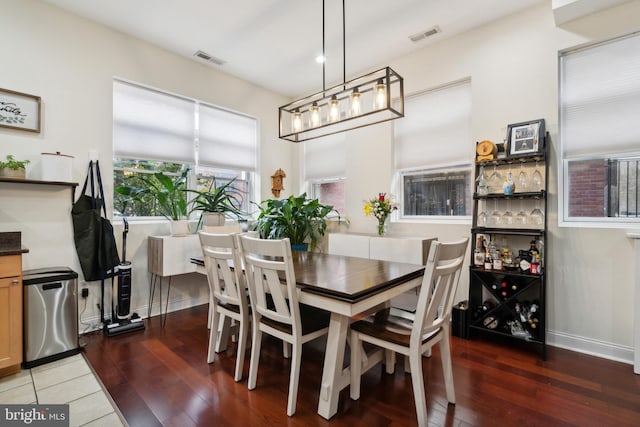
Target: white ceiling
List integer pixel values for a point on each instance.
(273, 43)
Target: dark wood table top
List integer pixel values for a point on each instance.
(346, 278)
(349, 278)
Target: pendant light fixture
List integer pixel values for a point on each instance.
(373, 98)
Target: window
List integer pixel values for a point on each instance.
(325, 168)
(599, 104)
(330, 193)
(154, 131)
(433, 193)
(435, 181)
(604, 187)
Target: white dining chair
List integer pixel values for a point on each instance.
(227, 294)
(431, 325)
(219, 229)
(275, 307)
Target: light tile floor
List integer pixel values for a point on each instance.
(69, 380)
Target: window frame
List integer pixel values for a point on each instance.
(252, 176)
(311, 193)
(564, 220)
(433, 219)
(589, 222)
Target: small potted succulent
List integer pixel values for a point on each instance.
(12, 168)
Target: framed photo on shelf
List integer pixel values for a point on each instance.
(525, 138)
(19, 110)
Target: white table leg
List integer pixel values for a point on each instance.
(332, 371)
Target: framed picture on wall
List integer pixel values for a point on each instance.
(525, 138)
(19, 110)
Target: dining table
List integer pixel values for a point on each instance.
(347, 287)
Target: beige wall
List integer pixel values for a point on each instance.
(512, 64)
(71, 62)
(513, 67)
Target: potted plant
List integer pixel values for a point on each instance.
(168, 194)
(217, 202)
(12, 168)
(300, 219)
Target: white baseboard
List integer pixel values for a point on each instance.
(603, 349)
(93, 323)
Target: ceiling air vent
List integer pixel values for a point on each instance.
(203, 55)
(424, 34)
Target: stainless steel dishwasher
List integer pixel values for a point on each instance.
(50, 315)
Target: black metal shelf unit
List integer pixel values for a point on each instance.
(509, 303)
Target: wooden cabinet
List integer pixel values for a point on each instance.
(10, 313)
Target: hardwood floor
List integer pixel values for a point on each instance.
(161, 377)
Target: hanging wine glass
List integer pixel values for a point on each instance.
(536, 179)
(482, 182)
(536, 217)
(482, 216)
(522, 217)
(495, 181)
(507, 217)
(495, 217)
(523, 179)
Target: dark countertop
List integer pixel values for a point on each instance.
(11, 243)
(13, 251)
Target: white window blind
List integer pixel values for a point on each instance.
(600, 99)
(152, 125)
(227, 139)
(325, 157)
(436, 128)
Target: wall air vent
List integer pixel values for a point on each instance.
(424, 34)
(203, 55)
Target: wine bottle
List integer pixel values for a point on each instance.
(479, 252)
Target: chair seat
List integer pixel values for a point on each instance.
(313, 319)
(231, 307)
(234, 307)
(394, 329)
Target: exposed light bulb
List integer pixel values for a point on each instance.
(315, 115)
(334, 109)
(296, 121)
(380, 97)
(356, 103)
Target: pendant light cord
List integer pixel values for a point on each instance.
(324, 55)
(344, 47)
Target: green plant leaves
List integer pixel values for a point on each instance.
(300, 219)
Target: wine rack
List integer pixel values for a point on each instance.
(508, 303)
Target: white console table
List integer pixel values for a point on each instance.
(409, 249)
(412, 250)
(636, 303)
(169, 256)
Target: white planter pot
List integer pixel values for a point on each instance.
(180, 227)
(212, 219)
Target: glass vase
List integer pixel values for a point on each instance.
(382, 228)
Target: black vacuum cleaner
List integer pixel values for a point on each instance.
(121, 319)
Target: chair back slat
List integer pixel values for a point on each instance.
(439, 284)
(269, 266)
(221, 255)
